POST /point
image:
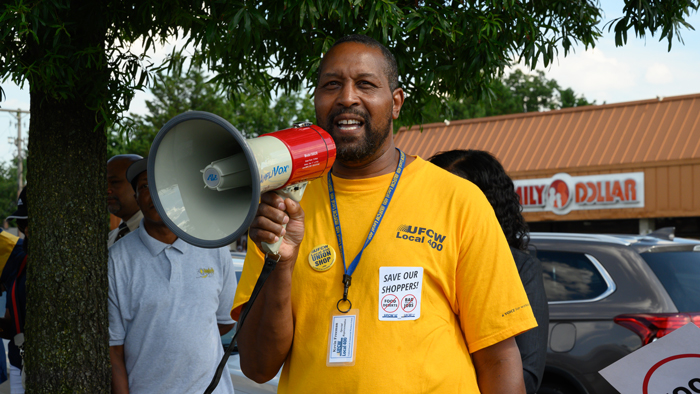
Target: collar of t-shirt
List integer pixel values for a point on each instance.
(156, 247)
(134, 221)
(346, 185)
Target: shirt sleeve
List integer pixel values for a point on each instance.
(491, 300)
(117, 331)
(228, 288)
(252, 266)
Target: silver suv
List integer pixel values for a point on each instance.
(608, 296)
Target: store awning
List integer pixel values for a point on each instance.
(596, 137)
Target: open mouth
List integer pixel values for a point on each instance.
(349, 124)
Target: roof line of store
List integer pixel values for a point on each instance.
(614, 167)
(592, 107)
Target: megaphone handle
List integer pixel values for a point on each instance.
(295, 192)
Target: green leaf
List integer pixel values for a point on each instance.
(237, 17)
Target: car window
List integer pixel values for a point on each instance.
(571, 276)
(679, 272)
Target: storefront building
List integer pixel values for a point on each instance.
(625, 168)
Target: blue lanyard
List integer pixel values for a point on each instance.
(347, 277)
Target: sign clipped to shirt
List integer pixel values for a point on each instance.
(399, 293)
(671, 364)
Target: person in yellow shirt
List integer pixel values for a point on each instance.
(8, 241)
(393, 275)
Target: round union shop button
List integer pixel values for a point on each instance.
(322, 258)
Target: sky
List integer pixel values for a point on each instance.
(642, 69)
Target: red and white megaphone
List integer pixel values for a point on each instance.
(206, 179)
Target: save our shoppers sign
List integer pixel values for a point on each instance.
(564, 193)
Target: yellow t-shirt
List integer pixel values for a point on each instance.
(471, 297)
(7, 244)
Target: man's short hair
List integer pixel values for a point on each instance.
(390, 67)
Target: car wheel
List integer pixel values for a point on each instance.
(556, 388)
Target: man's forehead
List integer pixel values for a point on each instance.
(118, 167)
(354, 47)
(367, 60)
(357, 74)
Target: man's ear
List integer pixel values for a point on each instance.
(398, 96)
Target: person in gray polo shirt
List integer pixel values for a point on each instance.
(169, 302)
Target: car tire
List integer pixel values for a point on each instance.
(556, 388)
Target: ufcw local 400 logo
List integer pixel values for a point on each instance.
(205, 272)
(421, 235)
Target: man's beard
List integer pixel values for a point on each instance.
(114, 206)
(358, 149)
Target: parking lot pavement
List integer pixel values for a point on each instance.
(5, 387)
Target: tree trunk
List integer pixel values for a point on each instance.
(67, 348)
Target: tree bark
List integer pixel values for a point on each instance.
(66, 331)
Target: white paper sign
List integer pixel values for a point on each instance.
(399, 293)
(671, 364)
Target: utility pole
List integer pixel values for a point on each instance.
(18, 142)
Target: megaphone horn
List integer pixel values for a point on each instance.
(206, 179)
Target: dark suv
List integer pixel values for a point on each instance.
(608, 296)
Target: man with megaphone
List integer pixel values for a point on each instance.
(392, 275)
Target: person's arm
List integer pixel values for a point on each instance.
(225, 328)
(117, 334)
(266, 335)
(499, 369)
(120, 381)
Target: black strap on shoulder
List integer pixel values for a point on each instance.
(268, 267)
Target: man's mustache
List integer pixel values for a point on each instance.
(353, 111)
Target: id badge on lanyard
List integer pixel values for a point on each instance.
(342, 339)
